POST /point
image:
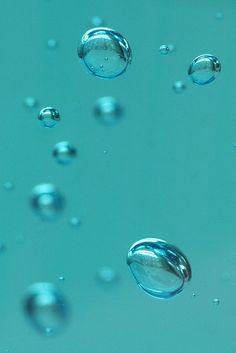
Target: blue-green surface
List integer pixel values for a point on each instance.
(169, 172)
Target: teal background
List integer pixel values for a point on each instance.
(169, 172)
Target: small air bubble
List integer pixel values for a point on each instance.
(52, 43)
(49, 117)
(30, 102)
(74, 222)
(216, 301)
(106, 276)
(8, 185)
(179, 87)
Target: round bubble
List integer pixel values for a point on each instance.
(49, 117)
(105, 53)
(64, 152)
(106, 276)
(47, 201)
(46, 308)
(158, 267)
(204, 69)
(108, 111)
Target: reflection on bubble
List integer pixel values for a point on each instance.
(46, 308)
(47, 201)
(159, 268)
(105, 53)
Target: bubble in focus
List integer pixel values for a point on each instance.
(106, 276)
(204, 69)
(179, 87)
(97, 21)
(47, 201)
(105, 53)
(46, 308)
(30, 102)
(49, 117)
(108, 111)
(64, 152)
(166, 49)
(159, 268)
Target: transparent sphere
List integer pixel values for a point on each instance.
(108, 111)
(49, 117)
(46, 308)
(106, 276)
(204, 69)
(105, 53)
(47, 201)
(64, 152)
(159, 268)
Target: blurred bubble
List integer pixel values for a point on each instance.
(108, 111)
(30, 102)
(47, 201)
(74, 222)
(106, 276)
(97, 21)
(166, 49)
(46, 308)
(179, 87)
(64, 152)
(52, 43)
(158, 267)
(8, 185)
(105, 53)
(216, 301)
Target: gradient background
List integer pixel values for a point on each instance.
(169, 171)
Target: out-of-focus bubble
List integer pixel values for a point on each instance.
(30, 102)
(108, 111)
(46, 308)
(52, 43)
(179, 87)
(106, 276)
(8, 185)
(47, 201)
(64, 152)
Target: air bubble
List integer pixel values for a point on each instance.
(64, 152)
(49, 117)
(30, 102)
(46, 308)
(97, 21)
(52, 43)
(179, 87)
(166, 49)
(108, 111)
(105, 53)
(159, 268)
(74, 222)
(8, 185)
(216, 301)
(47, 201)
(106, 276)
(204, 69)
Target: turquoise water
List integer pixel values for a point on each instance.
(167, 170)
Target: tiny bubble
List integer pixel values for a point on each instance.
(216, 301)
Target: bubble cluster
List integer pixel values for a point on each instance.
(204, 69)
(64, 152)
(158, 267)
(49, 117)
(104, 52)
(108, 111)
(47, 201)
(46, 308)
